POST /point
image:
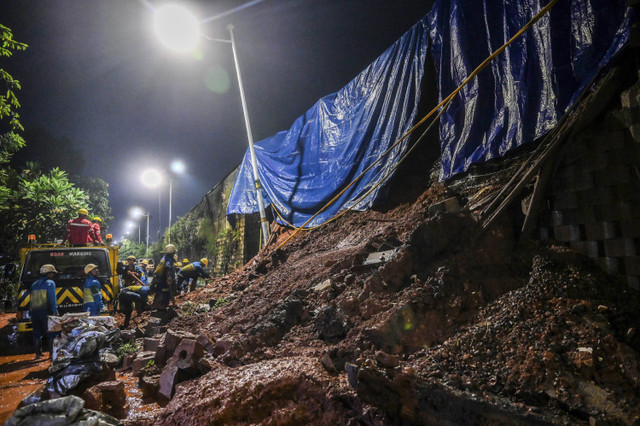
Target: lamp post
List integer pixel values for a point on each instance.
(137, 212)
(179, 30)
(153, 178)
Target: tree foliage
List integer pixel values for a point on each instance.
(39, 203)
(97, 191)
(8, 99)
(131, 248)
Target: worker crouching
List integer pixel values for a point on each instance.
(135, 295)
(191, 272)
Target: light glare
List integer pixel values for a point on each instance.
(177, 28)
(151, 178)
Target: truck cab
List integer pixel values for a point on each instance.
(70, 263)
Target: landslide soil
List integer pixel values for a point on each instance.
(459, 327)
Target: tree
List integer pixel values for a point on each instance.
(131, 248)
(97, 191)
(39, 203)
(11, 141)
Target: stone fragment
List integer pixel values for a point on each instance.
(172, 339)
(323, 285)
(141, 360)
(187, 355)
(222, 345)
(386, 360)
(150, 385)
(150, 344)
(208, 344)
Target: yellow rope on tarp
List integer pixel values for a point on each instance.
(445, 102)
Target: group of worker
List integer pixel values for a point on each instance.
(82, 232)
(167, 282)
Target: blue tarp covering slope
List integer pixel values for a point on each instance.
(528, 88)
(338, 138)
(518, 98)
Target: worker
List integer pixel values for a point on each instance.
(79, 230)
(164, 278)
(144, 263)
(133, 295)
(131, 273)
(192, 271)
(92, 291)
(42, 304)
(185, 261)
(97, 239)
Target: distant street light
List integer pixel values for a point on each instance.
(137, 212)
(152, 178)
(178, 29)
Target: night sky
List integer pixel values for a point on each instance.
(95, 76)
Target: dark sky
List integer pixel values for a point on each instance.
(95, 75)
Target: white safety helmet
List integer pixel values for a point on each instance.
(45, 269)
(170, 248)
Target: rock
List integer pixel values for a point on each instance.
(352, 374)
(386, 360)
(168, 379)
(127, 361)
(578, 309)
(323, 285)
(127, 335)
(187, 354)
(150, 385)
(208, 344)
(222, 346)
(397, 271)
(172, 339)
(107, 397)
(150, 344)
(602, 309)
(141, 360)
(330, 324)
(161, 356)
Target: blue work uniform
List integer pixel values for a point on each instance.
(130, 296)
(43, 303)
(92, 296)
(165, 287)
(191, 271)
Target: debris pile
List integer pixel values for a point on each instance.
(408, 316)
(81, 352)
(68, 410)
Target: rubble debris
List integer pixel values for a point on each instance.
(81, 351)
(68, 410)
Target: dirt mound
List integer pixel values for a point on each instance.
(448, 324)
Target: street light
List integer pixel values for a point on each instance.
(169, 20)
(153, 178)
(137, 212)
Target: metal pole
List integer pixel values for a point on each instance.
(170, 190)
(147, 252)
(138, 233)
(254, 162)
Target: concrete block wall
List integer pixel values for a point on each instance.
(593, 200)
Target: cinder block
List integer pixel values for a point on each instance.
(579, 182)
(634, 282)
(567, 233)
(613, 175)
(632, 265)
(611, 229)
(630, 228)
(579, 246)
(586, 214)
(594, 231)
(576, 151)
(595, 249)
(565, 201)
(619, 247)
(544, 233)
(556, 218)
(610, 265)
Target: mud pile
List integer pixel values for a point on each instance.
(449, 324)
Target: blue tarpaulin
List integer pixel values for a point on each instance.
(338, 138)
(518, 98)
(528, 88)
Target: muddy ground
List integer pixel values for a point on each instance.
(455, 326)
(459, 327)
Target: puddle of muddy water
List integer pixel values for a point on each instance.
(138, 407)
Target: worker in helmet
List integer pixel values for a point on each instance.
(191, 272)
(185, 261)
(131, 273)
(92, 291)
(164, 278)
(132, 295)
(43, 302)
(97, 236)
(79, 230)
(144, 263)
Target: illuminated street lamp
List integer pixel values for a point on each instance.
(179, 30)
(137, 212)
(153, 178)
